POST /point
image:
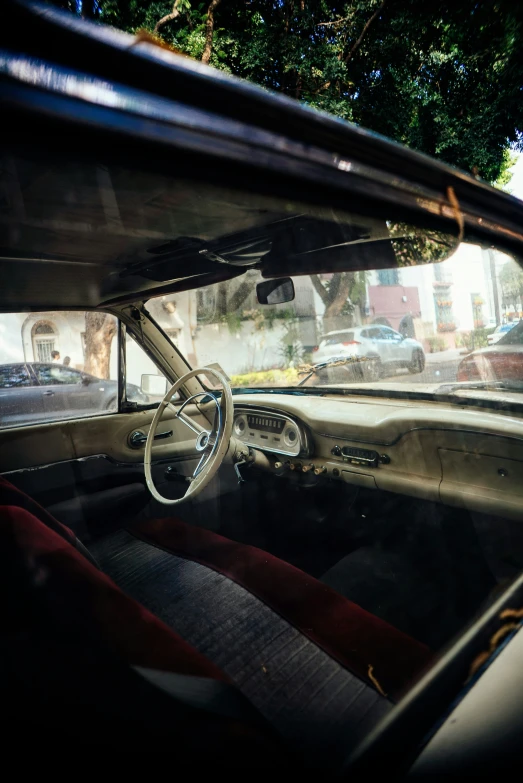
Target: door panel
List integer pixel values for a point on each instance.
(43, 444)
(86, 473)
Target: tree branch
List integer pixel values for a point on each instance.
(209, 30)
(333, 24)
(320, 89)
(320, 289)
(168, 17)
(368, 23)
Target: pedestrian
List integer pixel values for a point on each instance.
(55, 356)
(67, 361)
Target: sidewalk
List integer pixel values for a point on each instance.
(452, 355)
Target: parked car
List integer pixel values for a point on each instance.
(502, 361)
(501, 330)
(35, 390)
(381, 348)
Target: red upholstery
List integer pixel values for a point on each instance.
(357, 639)
(129, 629)
(12, 496)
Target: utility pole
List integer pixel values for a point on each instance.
(495, 295)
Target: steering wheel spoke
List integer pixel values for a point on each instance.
(211, 444)
(184, 418)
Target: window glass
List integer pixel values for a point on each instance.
(57, 365)
(13, 376)
(342, 337)
(52, 374)
(145, 383)
(513, 335)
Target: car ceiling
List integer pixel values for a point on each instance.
(84, 232)
(71, 231)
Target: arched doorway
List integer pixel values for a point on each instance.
(44, 337)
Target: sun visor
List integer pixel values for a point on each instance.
(311, 246)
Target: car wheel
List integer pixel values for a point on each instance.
(417, 364)
(373, 369)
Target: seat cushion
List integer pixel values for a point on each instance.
(352, 636)
(130, 630)
(68, 639)
(298, 651)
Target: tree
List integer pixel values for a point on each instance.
(511, 284)
(209, 30)
(442, 78)
(341, 294)
(100, 329)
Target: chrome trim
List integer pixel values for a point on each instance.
(122, 366)
(138, 438)
(115, 462)
(207, 454)
(305, 441)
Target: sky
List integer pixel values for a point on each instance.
(516, 183)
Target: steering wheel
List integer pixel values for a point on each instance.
(212, 444)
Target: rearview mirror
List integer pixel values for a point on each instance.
(272, 292)
(154, 385)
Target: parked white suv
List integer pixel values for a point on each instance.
(380, 347)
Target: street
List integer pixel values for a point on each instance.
(440, 367)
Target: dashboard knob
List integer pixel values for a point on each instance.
(336, 451)
(295, 465)
(319, 470)
(306, 468)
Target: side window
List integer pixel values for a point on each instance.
(52, 374)
(14, 376)
(57, 365)
(145, 383)
(375, 333)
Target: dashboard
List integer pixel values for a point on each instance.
(470, 458)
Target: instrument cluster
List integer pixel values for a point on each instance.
(270, 431)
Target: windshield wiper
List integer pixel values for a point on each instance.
(334, 361)
(452, 388)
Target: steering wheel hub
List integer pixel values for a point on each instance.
(203, 440)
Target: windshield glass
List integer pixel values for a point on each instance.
(444, 327)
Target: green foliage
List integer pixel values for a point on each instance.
(442, 78)
(291, 354)
(477, 338)
(413, 246)
(505, 174)
(287, 377)
(290, 348)
(233, 321)
(436, 343)
(511, 284)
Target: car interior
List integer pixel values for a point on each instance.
(303, 574)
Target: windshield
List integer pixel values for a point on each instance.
(437, 327)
